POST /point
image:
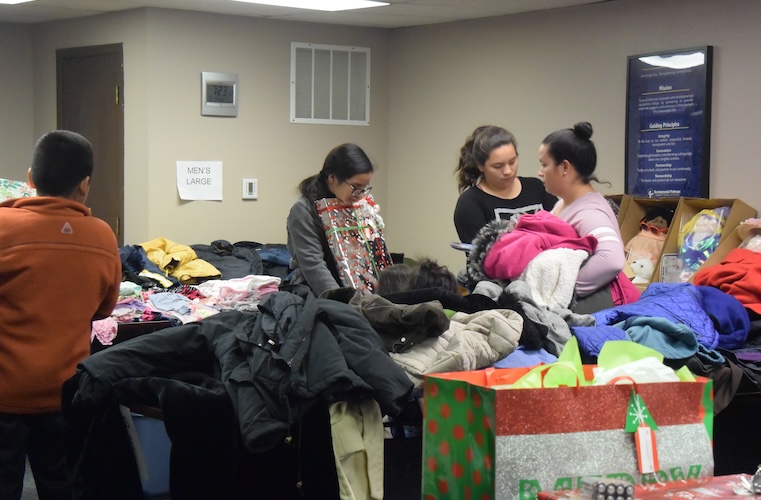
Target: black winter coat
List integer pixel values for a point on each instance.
(273, 364)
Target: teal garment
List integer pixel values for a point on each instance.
(673, 340)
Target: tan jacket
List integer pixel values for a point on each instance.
(473, 341)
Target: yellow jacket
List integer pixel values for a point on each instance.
(179, 261)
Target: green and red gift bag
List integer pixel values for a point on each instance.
(486, 440)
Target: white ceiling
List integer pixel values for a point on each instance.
(401, 13)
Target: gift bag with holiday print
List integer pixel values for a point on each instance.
(10, 189)
(484, 439)
(355, 238)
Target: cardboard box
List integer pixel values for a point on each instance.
(726, 245)
(622, 201)
(630, 227)
(686, 210)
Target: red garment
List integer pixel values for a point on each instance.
(533, 233)
(623, 290)
(701, 488)
(59, 269)
(738, 275)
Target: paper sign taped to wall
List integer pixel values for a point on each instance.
(199, 180)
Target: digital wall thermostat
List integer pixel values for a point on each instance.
(219, 94)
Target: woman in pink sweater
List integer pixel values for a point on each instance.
(568, 159)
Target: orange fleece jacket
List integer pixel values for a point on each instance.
(59, 269)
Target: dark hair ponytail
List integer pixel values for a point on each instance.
(313, 189)
(476, 150)
(344, 161)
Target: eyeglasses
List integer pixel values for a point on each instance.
(359, 190)
(653, 229)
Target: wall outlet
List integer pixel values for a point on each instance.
(250, 189)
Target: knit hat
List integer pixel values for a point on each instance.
(729, 316)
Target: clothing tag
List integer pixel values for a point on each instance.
(647, 452)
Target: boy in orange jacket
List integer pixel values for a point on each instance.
(59, 269)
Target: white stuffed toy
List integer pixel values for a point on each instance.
(643, 270)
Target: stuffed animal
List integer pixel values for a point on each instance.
(643, 270)
(648, 243)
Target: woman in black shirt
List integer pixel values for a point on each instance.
(490, 188)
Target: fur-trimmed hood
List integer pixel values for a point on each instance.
(484, 240)
(506, 255)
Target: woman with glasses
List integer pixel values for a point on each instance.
(487, 177)
(345, 176)
(568, 159)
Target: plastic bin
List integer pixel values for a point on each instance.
(155, 446)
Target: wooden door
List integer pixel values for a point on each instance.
(90, 96)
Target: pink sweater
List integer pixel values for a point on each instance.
(591, 215)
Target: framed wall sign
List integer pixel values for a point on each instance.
(219, 94)
(668, 123)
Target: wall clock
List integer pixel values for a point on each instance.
(219, 94)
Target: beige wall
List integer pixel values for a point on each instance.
(532, 73)
(16, 100)
(165, 52)
(261, 142)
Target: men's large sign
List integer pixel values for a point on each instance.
(199, 180)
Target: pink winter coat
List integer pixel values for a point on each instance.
(533, 233)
